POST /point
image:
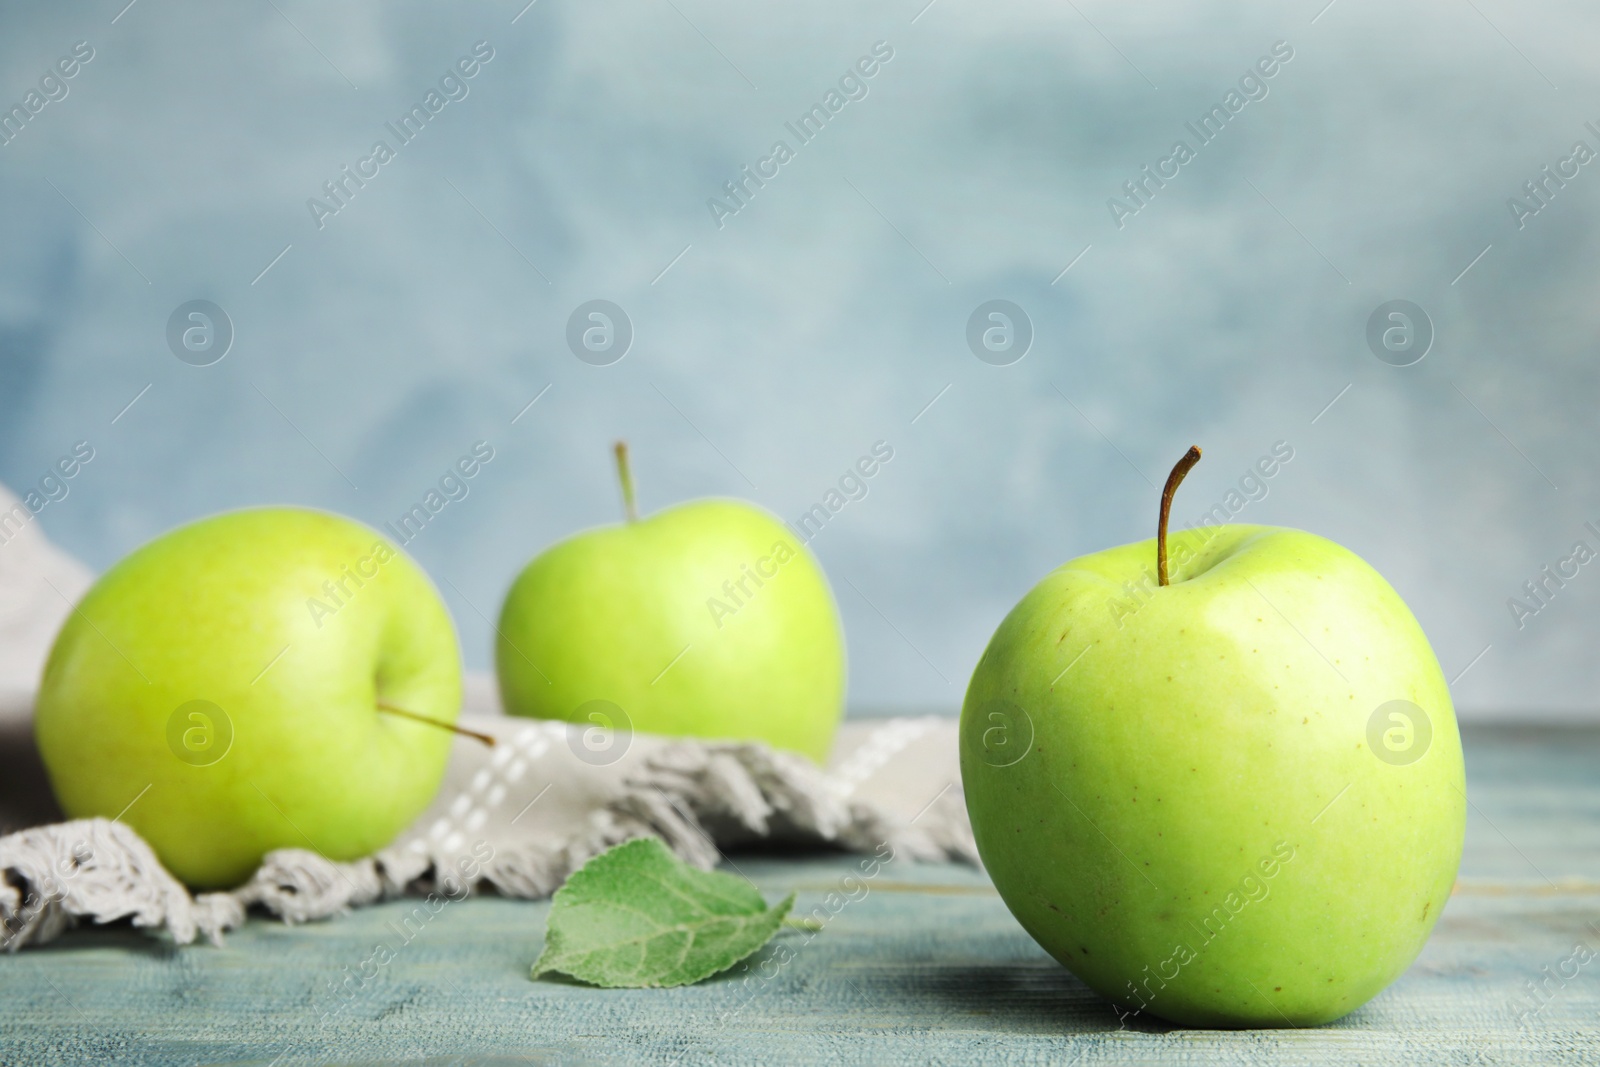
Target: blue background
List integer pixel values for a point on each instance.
(773, 351)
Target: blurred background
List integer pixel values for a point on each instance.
(369, 315)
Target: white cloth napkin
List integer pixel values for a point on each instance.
(521, 817)
(39, 583)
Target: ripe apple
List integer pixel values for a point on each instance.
(706, 619)
(1230, 798)
(226, 689)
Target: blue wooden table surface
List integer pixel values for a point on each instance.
(924, 966)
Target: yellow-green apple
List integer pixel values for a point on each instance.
(225, 689)
(1230, 796)
(706, 619)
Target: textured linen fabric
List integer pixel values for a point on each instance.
(520, 817)
(38, 586)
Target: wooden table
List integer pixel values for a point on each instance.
(927, 968)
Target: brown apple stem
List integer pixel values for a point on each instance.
(392, 710)
(1183, 467)
(625, 476)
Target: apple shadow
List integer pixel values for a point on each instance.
(1023, 998)
(25, 795)
(120, 935)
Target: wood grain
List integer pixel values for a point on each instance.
(925, 967)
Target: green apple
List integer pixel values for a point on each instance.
(225, 689)
(1235, 798)
(707, 619)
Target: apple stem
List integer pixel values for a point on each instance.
(1183, 466)
(392, 710)
(625, 476)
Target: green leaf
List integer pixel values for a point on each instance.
(636, 916)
